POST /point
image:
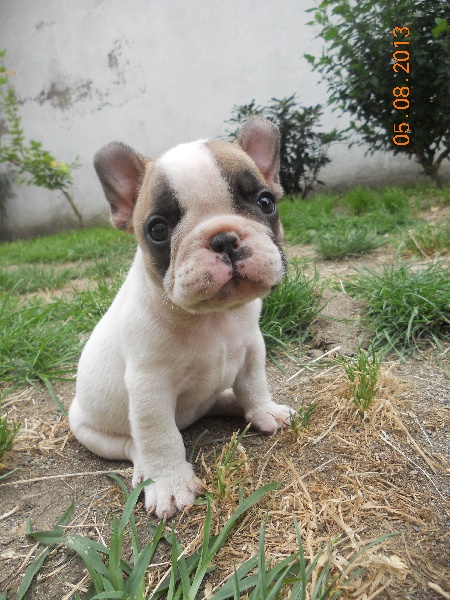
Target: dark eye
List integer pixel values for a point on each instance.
(266, 204)
(158, 230)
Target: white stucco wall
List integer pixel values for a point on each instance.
(154, 73)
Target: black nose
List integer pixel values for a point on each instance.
(224, 243)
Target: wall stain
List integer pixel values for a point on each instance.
(63, 97)
(113, 61)
(43, 24)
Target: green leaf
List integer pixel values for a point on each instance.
(330, 34)
(137, 578)
(53, 395)
(441, 26)
(131, 503)
(115, 552)
(41, 554)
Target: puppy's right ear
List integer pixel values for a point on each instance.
(120, 170)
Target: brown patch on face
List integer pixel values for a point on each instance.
(157, 210)
(247, 185)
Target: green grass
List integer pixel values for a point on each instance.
(407, 304)
(8, 432)
(374, 212)
(41, 337)
(361, 372)
(347, 241)
(43, 340)
(73, 246)
(428, 239)
(290, 309)
(31, 278)
(111, 576)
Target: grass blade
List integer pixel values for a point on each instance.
(115, 553)
(135, 584)
(52, 393)
(39, 560)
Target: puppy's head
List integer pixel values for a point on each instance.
(205, 215)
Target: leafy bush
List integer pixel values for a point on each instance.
(366, 73)
(303, 151)
(30, 159)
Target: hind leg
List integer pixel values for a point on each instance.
(114, 446)
(267, 417)
(226, 405)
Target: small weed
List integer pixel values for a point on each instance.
(290, 309)
(231, 470)
(394, 200)
(406, 304)
(428, 239)
(293, 577)
(347, 241)
(361, 200)
(361, 372)
(107, 577)
(299, 420)
(8, 432)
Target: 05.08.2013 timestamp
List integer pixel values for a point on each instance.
(401, 66)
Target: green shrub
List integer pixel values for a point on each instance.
(39, 167)
(387, 64)
(303, 151)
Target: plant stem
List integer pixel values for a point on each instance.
(74, 207)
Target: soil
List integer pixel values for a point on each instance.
(359, 476)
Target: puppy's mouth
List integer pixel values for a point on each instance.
(239, 284)
(224, 268)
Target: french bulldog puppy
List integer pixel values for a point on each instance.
(181, 339)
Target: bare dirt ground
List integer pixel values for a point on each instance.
(355, 476)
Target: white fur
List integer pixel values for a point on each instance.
(193, 173)
(156, 362)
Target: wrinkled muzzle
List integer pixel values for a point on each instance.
(223, 262)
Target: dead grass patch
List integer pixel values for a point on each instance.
(350, 477)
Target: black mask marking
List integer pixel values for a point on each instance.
(160, 224)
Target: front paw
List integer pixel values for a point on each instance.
(270, 417)
(171, 492)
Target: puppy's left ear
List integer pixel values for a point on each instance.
(260, 138)
(120, 170)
